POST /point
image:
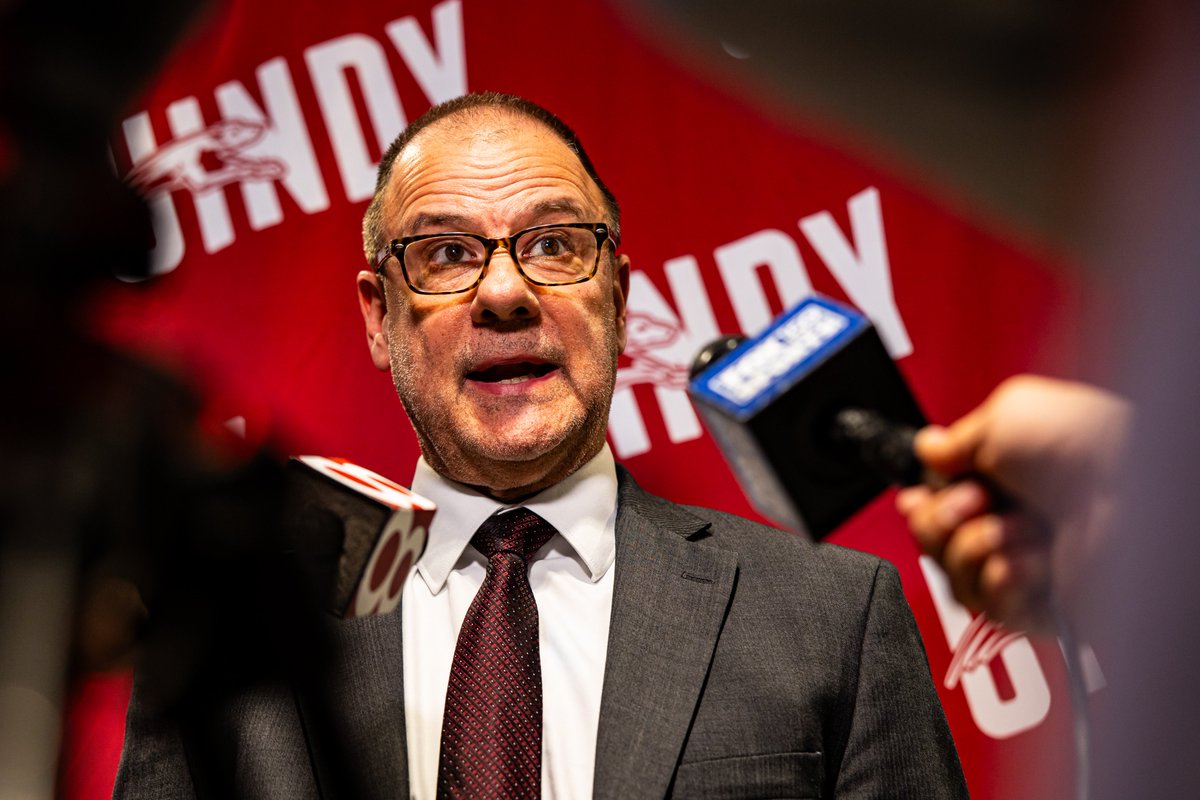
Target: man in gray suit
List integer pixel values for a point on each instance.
(684, 652)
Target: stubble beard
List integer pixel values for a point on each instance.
(502, 466)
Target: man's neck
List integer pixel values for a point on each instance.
(497, 481)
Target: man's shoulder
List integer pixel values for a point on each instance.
(753, 541)
(766, 550)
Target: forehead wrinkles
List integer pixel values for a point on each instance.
(503, 163)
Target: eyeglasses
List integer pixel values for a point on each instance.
(545, 255)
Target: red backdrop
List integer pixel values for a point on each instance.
(257, 148)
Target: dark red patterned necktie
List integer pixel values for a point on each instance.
(492, 727)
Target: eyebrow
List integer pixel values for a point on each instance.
(548, 208)
(439, 222)
(540, 210)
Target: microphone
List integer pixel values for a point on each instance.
(812, 415)
(356, 532)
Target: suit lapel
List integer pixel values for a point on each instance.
(367, 694)
(670, 598)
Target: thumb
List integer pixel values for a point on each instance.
(952, 450)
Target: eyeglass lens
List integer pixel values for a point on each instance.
(546, 255)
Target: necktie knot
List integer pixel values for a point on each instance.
(520, 531)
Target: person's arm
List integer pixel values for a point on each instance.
(898, 743)
(1035, 464)
(153, 763)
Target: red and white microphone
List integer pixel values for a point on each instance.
(372, 527)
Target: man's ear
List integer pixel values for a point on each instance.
(620, 296)
(372, 303)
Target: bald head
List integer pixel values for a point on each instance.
(464, 116)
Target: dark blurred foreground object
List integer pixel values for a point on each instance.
(81, 427)
(108, 481)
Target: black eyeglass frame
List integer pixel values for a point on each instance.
(396, 247)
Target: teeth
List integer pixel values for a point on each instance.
(519, 379)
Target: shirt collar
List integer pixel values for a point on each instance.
(582, 507)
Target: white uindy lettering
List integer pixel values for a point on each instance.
(626, 427)
(996, 716)
(862, 268)
(739, 261)
(662, 344)
(331, 65)
(257, 146)
(212, 212)
(440, 69)
(168, 236)
(660, 347)
(285, 137)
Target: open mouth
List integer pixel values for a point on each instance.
(515, 372)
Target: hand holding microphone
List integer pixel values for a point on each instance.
(816, 420)
(1053, 447)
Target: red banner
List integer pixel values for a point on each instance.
(257, 148)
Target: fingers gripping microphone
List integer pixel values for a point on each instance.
(812, 414)
(357, 532)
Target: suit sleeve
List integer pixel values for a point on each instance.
(153, 764)
(898, 744)
(258, 728)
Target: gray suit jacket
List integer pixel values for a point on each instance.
(742, 662)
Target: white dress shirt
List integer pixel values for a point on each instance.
(572, 582)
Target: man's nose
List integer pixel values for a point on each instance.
(503, 294)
